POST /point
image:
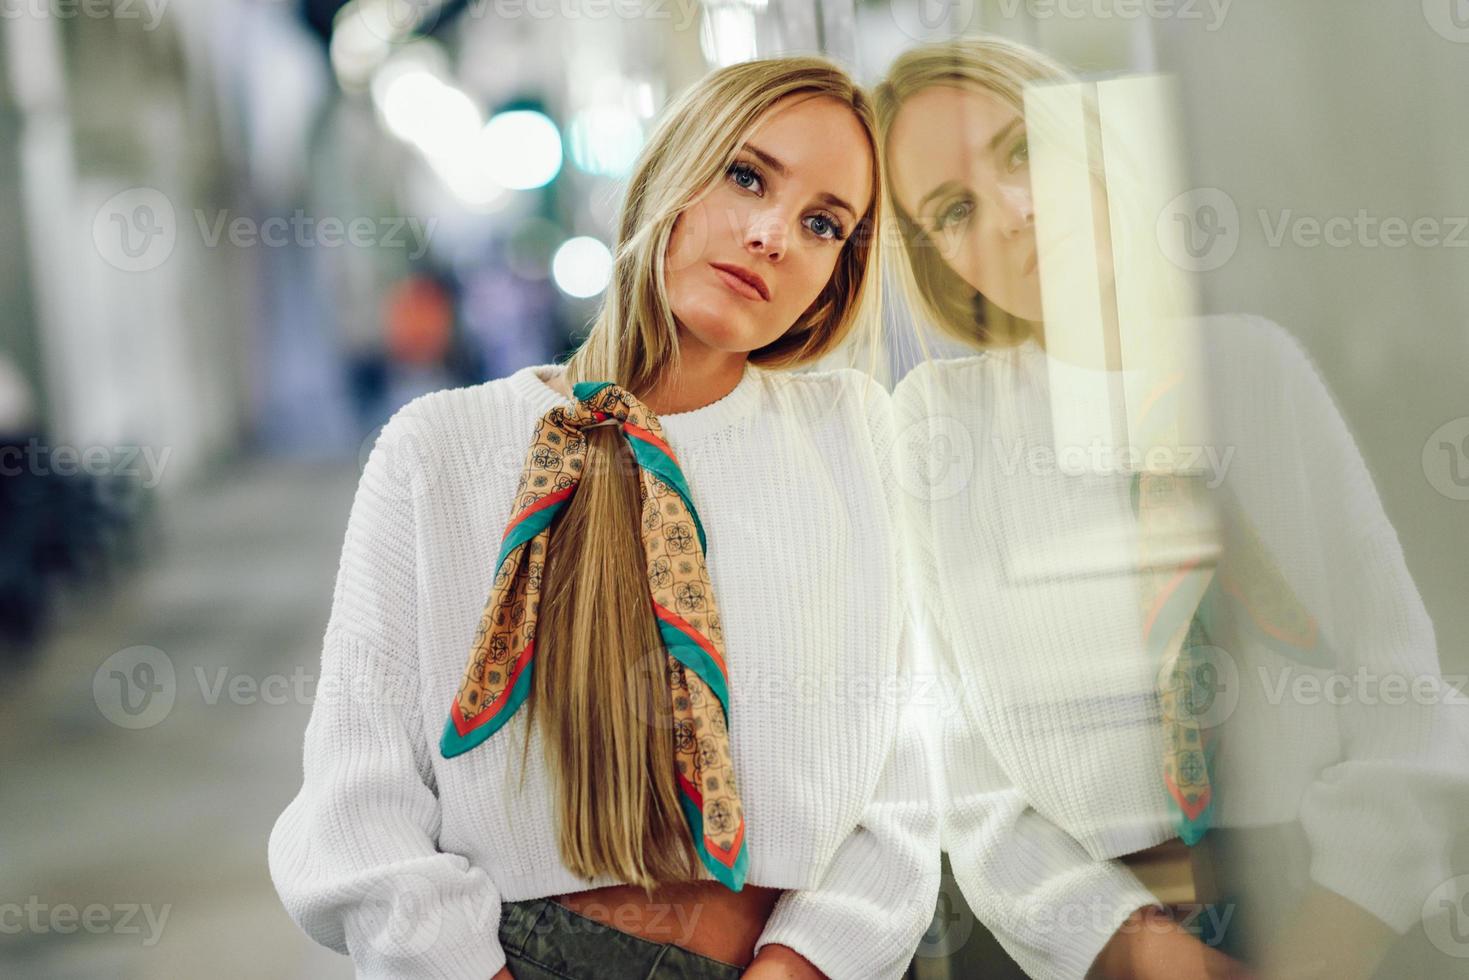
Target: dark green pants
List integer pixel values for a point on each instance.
(544, 940)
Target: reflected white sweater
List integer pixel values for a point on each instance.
(1052, 757)
(401, 858)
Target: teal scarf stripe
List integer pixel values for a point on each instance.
(650, 457)
(586, 389)
(695, 658)
(1192, 831)
(732, 878)
(453, 743)
(529, 528)
(1158, 637)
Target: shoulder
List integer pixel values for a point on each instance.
(932, 376)
(476, 406)
(824, 389)
(437, 427)
(1252, 340)
(843, 405)
(847, 388)
(830, 381)
(1253, 360)
(951, 386)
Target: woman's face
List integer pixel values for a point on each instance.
(959, 164)
(781, 213)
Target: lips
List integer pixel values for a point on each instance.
(742, 277)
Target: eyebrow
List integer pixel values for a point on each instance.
(947, 185)
(825, 197)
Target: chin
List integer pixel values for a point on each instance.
(720, 332)
(720, 328)
(1024, 307)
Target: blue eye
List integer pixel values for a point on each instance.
(1022, 150)
(948, 216)
(837, 233)
(736, 169)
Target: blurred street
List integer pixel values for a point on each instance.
(170, 821)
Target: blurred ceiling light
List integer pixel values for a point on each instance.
(365, 32)
(428, 112)
(582, 267)
(467, 175)
(727, 33)
(521, 149)
(643, 98)
(445, 125)
(605, 140)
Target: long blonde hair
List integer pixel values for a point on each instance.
(600, 687)
(999, 66)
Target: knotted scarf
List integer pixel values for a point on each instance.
(497, 678)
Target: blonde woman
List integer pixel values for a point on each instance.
(707, 778)
(1329, 820)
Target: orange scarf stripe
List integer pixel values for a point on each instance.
(648, 437)
(549, 500)
(674, 619)
(465, 725)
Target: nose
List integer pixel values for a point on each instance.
(1016, 210)
(766, 235)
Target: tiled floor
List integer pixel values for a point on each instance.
(106, 826)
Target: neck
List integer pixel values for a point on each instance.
(704, 375)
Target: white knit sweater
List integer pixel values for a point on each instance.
(401, 858)
(1053, 758)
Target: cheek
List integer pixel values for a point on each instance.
(965, 258)
(689, 239)
(815, 275)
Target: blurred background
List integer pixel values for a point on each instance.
(238, 234)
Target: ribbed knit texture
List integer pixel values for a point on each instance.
(1052, 747)
(401, 858)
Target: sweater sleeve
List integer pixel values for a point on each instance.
(1048, 903)
(866, 917)
(354, 855)
(1381, 818)
(878, 894)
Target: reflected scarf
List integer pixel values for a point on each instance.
(497, 678)
(1189, 608)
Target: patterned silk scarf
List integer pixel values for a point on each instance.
(497, 678)
(1174, 638)
(1189, 607)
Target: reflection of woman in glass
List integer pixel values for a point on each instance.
(1053, 759)
(698, 787)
